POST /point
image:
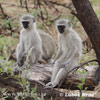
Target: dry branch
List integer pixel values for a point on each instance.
(5, 16)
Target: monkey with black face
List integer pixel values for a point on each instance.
(30, 36)
(30, 40)
(69, 51)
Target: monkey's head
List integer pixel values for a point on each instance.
(63, 25)
(27, 21)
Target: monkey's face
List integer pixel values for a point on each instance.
(61, 28)
(27, 21)
(25, 24)
(62, 25)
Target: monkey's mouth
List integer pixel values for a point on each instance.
(25, 24)
(61, 28)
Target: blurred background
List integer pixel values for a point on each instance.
(46, 13)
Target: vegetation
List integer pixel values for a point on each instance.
(46, 13)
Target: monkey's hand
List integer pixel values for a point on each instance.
(51, 61)
(49, 85)
(65, 63)
(20, 62)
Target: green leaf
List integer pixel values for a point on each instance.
(79, 86)
(23, 81)
(1, 70)
(82, 80)
(7, 22)
(78, 71)
(83, 71)
(42, 97)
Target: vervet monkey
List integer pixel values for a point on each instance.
(30, 40)
(31, 36)
(48, 45)
(69, 51)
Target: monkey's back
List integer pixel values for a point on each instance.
(48, 44)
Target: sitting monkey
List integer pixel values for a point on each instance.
(69, 51)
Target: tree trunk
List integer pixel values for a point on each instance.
(91, 25)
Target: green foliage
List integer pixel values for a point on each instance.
(94, 2)
(80, 85)
(1, 70)
(6, 42)
(7, 22)
(6, 64)
(3, 93)
(27, 91)
(98, 12)
(15, 24)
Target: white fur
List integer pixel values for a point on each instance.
(69, 53)
(30, 41)
(48, 45)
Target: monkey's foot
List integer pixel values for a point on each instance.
(51, 61)
(17, 68)
(49, 85)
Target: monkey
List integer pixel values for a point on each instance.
(30, 41)
(48, 42)
(48, 45)
(69, 52)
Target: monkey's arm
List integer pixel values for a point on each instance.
(20, 50)
(59, 53)
(70, 54)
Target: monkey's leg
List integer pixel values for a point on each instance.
(55, 70)
(34, 55)
(54, 73)
(19, 54)
(60, 75)
(64, 70)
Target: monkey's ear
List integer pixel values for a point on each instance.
(33, 20)
(69, 24)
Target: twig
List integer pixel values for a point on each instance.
(59, 4)
(21, 3)
(26, 6)
(6, 17)
(46, 27)
(75, 14)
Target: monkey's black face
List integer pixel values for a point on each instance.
(61, 28)
(25, 24)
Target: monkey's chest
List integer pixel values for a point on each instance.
(28, 43)
(64, 46)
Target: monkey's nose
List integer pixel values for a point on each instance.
(61, 28)
(25, 26)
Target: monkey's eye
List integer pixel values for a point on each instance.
(25, 24)
(61, 28)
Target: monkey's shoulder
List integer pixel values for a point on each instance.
(75, 36)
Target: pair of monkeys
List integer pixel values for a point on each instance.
(41, 45)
